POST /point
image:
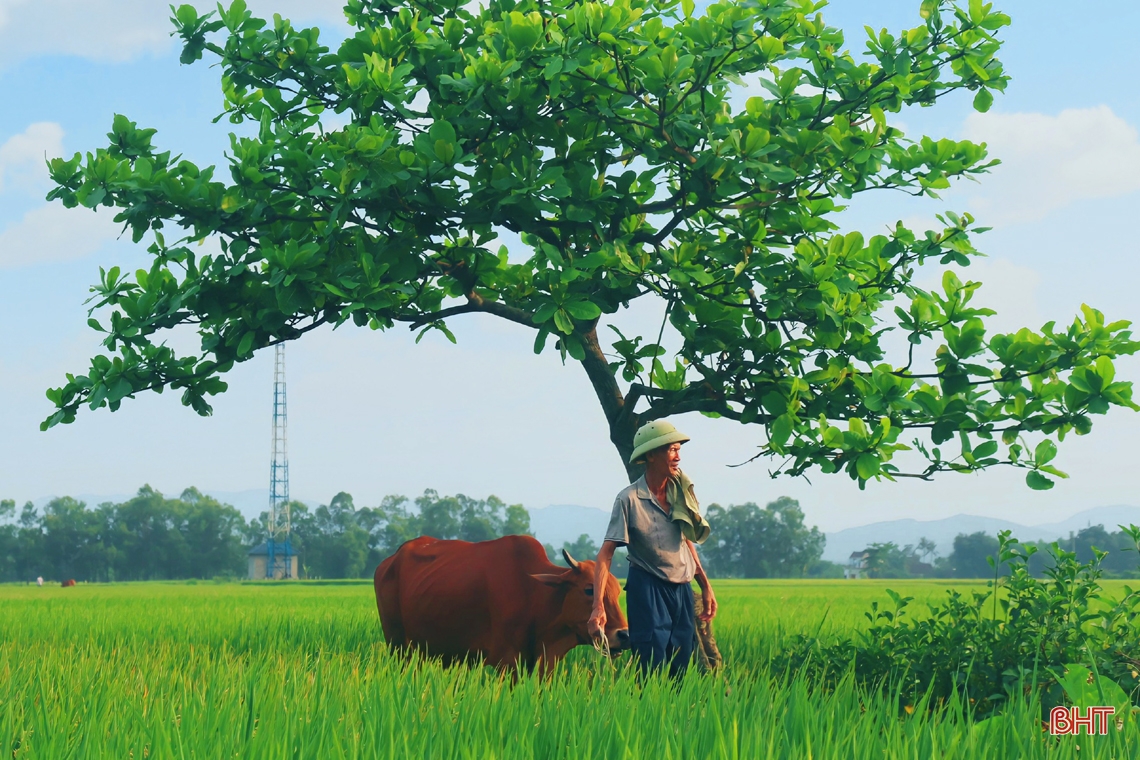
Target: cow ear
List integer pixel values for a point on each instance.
(550, 579)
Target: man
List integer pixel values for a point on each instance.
(656, 517)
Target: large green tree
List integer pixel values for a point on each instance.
(773, 542)
(368, 185)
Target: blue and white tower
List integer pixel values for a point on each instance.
(280, 562)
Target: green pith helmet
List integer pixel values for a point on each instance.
(654, 435)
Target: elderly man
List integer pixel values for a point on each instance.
(658, 518)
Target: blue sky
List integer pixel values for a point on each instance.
(373, 414)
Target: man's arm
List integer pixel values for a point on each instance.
(707, 595)
(597, 624)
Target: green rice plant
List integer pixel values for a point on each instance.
(297, 670)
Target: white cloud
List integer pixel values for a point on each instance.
(1049, 162)
(120, 30)
(22, 156)
(54, 233)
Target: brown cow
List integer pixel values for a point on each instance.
(68, 582)
(501, 601)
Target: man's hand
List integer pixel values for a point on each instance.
(596, 627)
(709, 601)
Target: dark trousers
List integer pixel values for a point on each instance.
(661, 625)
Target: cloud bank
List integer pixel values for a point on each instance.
(22, 156)
(1049, 162)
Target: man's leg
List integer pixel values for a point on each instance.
(648, 618)
(683, 631)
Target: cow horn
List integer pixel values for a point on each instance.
(569, 560)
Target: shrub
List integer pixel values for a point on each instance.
(1020, 635)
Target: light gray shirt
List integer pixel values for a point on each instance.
(655, 542)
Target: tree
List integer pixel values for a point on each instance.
(750, 542)
(926, 549)
(606, 137)
(583, 548)
(968, 560)
(214, 533)
(888, 560)
(9, 543)
(148, 537)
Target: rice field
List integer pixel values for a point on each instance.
(300, 671)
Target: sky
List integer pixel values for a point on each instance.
(372, 413)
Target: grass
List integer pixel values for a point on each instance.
(299, 670)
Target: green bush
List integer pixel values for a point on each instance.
(1021, 635)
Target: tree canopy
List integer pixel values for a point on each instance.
(773, 542)
(368, 184)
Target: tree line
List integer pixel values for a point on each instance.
(969, 557)
(148, 537)
(153, 537)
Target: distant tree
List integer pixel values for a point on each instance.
(30, 561)
(439, 516)
(517, 522)
(750, 542)
(968, 559)
(926, 549)
(341, 541)
(214, 533)
(148, 537)
(888, 560)
(582, 548)
(9, 541)
(1121, 561)
(390, 525)
(613, 141)
(330, 541)
(78, 542)
(823, 568)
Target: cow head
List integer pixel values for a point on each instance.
(578, 584)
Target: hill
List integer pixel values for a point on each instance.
(840, 544)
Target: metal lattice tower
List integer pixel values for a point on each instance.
(279, 547)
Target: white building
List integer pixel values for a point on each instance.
(856, 566)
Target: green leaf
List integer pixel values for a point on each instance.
(1037, 481)
(1045, 452)
(540, 340)
(780, 430)
(245, 344)
(583, 310)
(833, 437)
(983, 100)
(867, 465)
(987, 449)
(562, 322)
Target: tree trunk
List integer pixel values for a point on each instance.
(623, 420)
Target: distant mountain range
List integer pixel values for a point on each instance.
(840, 544)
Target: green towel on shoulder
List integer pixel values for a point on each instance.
(684, 509)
